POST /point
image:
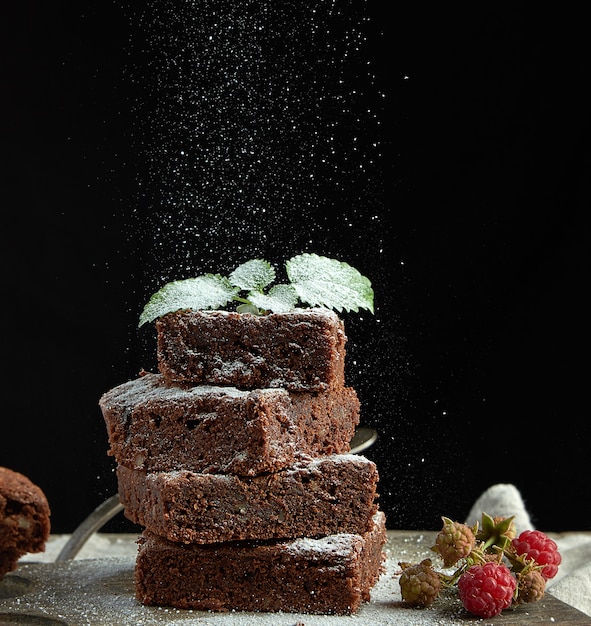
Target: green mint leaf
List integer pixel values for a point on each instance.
(253, 275)
(248, 308)
(209, 291)
(280, 299)
(314, 280)
(320, 281)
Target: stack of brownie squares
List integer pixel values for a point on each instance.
(235, 459)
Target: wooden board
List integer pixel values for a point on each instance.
(99, 592)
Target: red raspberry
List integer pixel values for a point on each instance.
(486, 590)
(539, 547)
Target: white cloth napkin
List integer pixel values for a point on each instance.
(572, 584)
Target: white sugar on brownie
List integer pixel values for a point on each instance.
(323, 496)
(300, 350)
(330, 575)
(156, 427)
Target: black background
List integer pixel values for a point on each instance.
(474, 369)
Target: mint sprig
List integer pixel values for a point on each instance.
(314, 280)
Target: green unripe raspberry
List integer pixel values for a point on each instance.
(419, 584)
(531, 586)
(454, 541)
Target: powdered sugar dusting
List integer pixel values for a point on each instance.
(351, 459)
(334, 545)
(236, 368)
(152, 386)
(255, 126)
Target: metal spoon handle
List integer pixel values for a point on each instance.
(97, 519)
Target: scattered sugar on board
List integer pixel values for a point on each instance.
(99, 592)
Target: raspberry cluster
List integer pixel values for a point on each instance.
(492, 567)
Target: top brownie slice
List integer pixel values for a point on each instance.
(300, 350)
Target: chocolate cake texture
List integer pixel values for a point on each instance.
(300, 350)
(333, 574)
(322, 496)
(235, 459)
(24, 518)
(153, 426)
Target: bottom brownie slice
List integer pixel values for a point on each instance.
(330, 575)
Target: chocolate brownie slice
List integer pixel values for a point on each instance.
(322, 496)
(24, 518)
(329, 575)
(156, 427)
(299, 350)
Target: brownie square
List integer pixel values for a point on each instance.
(156, 427)
(300, 350)
(330, 575)
(321, 496)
